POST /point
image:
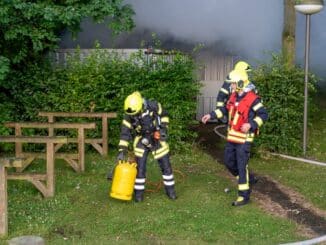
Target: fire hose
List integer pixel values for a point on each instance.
(219, 133)
(216, 130)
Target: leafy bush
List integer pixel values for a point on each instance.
(101, 81)
(31, 28)
(282, 90)
(4, 67)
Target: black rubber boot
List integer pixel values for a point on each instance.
(252, 179)
(170, 192)
(240, 201)
(139, 195)
(109, 176)
(243, 198)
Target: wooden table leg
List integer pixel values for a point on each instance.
(3, 201)
(105, 136)
(50, 182)
(81, 149)
(18, 145)
(51, 130)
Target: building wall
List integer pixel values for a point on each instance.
(212, 75)
(212, 72)
(206, 100)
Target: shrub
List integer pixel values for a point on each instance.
(282, 90)
(102, 80)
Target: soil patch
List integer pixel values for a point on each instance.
(272, 196)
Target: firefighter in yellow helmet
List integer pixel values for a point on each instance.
(242, 65)
(246, 114)
(225, 91)
(145, 123)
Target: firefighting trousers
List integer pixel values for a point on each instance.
(164, 163)
(236, 157)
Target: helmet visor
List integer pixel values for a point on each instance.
(131, 111)
(240, 84)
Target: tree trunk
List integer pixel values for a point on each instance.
(288, 35)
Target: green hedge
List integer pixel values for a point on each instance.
(100, 82)
(282, 90)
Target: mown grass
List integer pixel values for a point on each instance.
(317, 132)
(307, 179)
(82, 212)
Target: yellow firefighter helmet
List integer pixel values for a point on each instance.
(133, 103)
(242, 65)
(240, 77)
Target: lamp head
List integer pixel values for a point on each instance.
(309, 6)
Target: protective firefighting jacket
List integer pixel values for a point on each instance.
(142, 126)
(246, 108)
(224, 94)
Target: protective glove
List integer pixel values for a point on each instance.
(109, 175)
(157, 135)
(122, 155)
(164, 135)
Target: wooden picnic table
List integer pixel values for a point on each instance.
(4, 164)
(45, 183)
(100, 144)
(76, 161)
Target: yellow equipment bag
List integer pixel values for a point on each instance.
(124, 180)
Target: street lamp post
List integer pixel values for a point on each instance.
(307, 7)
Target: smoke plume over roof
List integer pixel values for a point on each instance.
(247, 29)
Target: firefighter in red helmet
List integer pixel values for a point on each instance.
(146, 122)
(246, 114)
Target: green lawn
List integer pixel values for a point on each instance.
(317, 133)
(308, 179)
(82, 212)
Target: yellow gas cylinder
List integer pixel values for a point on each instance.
(124, 180)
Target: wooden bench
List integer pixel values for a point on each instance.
(100, 144)
(4, 164)
(76, 161)
(45, 183)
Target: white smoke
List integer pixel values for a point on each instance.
(247, 28)
(317, 58)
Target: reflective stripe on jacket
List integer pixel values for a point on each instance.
(238, 115)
